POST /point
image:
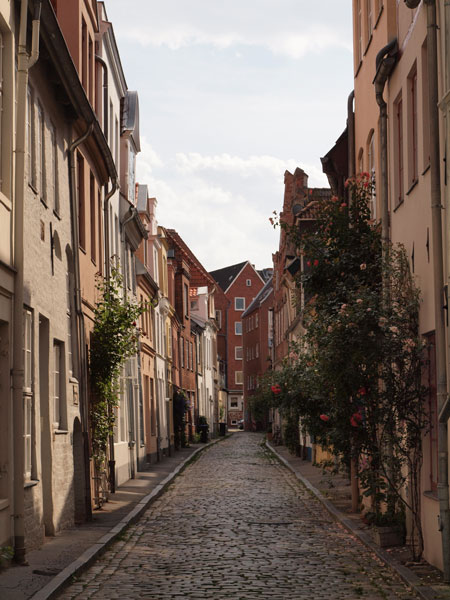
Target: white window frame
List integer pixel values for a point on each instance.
(236, 303)
(238, 350)
(58, 384)
(248, 282)
(238, 327)
(238, 377)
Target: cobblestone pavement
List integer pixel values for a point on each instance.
(237, 524)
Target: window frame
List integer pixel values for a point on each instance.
(236, 303)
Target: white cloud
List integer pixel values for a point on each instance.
(291, 28)
(220, 204)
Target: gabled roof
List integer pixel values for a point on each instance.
(261, 297)
(227, 275)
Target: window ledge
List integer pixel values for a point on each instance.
(427, 168)
(60, 431)
(31, 186)
(431, 494)
(379, 16)
(57, 215)
(4, 503)
(412, 186)
(400, 203)
(44, 202)
(73, 379)
(31, 483)
(368, 44)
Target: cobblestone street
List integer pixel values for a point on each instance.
(237, 524)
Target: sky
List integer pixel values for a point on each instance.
(232, 93)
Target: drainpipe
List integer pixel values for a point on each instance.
(351, 134)
(385, 62)
(81, 336)
(24, 64)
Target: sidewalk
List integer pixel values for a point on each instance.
(334, 492)
(71, 550)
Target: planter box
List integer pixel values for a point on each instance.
(388, 536)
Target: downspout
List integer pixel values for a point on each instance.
(81, 336)
(25, 63)
(438, 278)
(385, 62)
(351, 134)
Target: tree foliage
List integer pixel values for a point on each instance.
(114, 339)
(354, 381)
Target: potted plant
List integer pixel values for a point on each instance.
(203, 429)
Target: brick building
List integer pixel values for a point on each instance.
(240, 284)
(257, 341)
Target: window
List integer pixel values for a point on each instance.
(81, 202)
(219, 318)
(239, 304)
(248, 282)
(256, 319)
(40, 154)
(358, 36)
(398, 154)
(152, 408)
(99, 222)
(92, 220)
(57, 384)
(28, 391)
(425, 108)
(234, 402)
(238, 377)
(69, 288)
(31, 139)
(238, 352)
(238, 327)
(53, 191)
(412, 128)
(84, 57)
(191, 352)
(186, 299)
(257, 350)
(369, 19)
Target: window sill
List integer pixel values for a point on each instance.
(427, 168)
(358, 68)
(412, 186)
(399, 204)
(57, 215)
(431, 494)
(379, 17)
(73, 379)
(31, 483)
(4, 503)
(60, 431)
(34, 190)
(43, 202)
(368, 45)
(82, 249)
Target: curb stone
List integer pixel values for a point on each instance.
(411, 579)
(64, 577)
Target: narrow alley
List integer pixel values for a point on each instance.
(237, 524)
